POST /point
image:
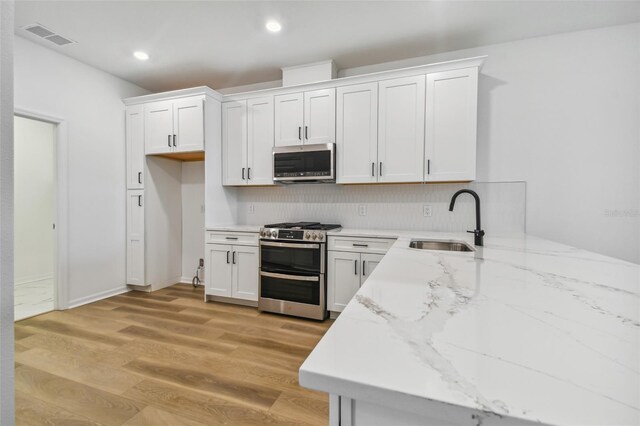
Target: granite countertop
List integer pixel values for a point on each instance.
(523, 328)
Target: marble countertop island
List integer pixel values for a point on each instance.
(522, 330)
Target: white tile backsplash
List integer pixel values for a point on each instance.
(387, 206)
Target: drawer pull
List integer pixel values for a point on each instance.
(230, 238)
(360, 245)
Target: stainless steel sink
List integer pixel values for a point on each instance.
(440, 245)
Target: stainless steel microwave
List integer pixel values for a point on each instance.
(304, 163)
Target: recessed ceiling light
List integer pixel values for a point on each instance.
(143, 56)
(273, 26)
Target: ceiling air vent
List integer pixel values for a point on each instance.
(47, 34)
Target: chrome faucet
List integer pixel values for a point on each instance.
(478, 233)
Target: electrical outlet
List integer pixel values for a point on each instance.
(426, 210)
(362, 210)
(252, 209)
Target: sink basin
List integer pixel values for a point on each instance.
(440, 245)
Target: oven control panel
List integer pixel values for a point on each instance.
(292, 234)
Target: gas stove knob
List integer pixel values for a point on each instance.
(321, 237)
(315, 235)
(307, 235)
(274, 233)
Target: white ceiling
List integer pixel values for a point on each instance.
(223, 43)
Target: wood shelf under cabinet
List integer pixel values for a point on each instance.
(182, 156)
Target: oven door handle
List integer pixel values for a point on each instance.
(289, 277)
(289, 245)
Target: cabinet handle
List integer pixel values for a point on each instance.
(243, 173)
(174, 140)
(299, 133)
(360, 245)
(373, 166)
(140, 177)
(428, 166)
(228, 256)
(139, 200)
(355, 267)
(364, 264)
(233, 257)
(380, 169)
(169, 140)
(306, 132)
(248, 173)
(231, 238)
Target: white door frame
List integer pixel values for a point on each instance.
(61, 234)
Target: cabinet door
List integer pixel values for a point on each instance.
(357, 133)
(369, 263)
(320, 116)
(401, 130)
(344, 279)
(188, 124)
(260, 141)
(452, 102)
(288, 119)
(134, 128)
(218, 272)
(234, 143)
(158, 127)
(245, 273)
(135, 237)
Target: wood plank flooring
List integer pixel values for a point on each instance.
(165, 358)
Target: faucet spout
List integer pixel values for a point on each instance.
(478, 232)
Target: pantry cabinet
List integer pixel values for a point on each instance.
(232, 269)
(174, 126)
(357, 133)
(305, 117)
(401, 117)
(247, 141)
(135, 237)
(451, 115)
(134, 140)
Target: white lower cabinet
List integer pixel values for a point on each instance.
(135, 237)
(347, 272)
(232, 271)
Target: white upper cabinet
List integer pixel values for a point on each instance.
(158, 127)
(357, 133)
(174, 126)
(305, 118)
(247, 142)
(289, 119)
(234, 142)
(320, 116)
(134, 124)
(260, 116)
(450, 148)
(401, 129)
(188, 124)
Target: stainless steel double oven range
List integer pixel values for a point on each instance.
(293, 266)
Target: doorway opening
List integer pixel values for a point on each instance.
(34, 216)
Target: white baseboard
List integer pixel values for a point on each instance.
(98, 296)
(33, 279)
(185, 280)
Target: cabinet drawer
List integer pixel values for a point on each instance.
(360, 244)
(235, 238)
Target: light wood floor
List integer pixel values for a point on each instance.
(165, 358)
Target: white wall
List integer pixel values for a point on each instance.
(34, 143)
(562, 113)
(90, 102)
(192, 217)
(7, 408)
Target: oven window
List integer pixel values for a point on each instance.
(294, 163)
(290, 259)
(290, 290)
